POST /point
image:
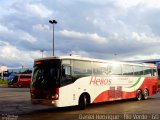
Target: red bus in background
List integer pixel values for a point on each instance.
(21, 80)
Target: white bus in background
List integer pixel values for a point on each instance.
(72, 81)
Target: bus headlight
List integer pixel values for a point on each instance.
(53, 102)
(32, 96)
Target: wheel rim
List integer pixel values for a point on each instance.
(139, 95)
(85, 100)
(145, 94)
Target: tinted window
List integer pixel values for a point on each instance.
(46, 74)
(154, 72)
(100, 68)
(127, 70)
(138, 70)
(15, 79)
(66, 75)
(82, 67)
(115, 69)
(147, 71)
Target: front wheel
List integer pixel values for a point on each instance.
(139, 95)
(145, 94)
(82, 102)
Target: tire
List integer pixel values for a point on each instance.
(139, 95)
(145, 94)
(82, 102)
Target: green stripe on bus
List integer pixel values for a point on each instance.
(135, 83)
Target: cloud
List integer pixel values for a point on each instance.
(127, 3)
(30, 9)
(3, 43)
(4, 29)
(83, 36)
(112, 29)
(154, 4)
(38, 9)
(28, 37)
(141, 57)
(143, 4)
(143, 38)
(41, 28)
(14, 57)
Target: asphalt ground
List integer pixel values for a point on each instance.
(15, 105)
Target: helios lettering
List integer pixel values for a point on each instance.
(100, 81)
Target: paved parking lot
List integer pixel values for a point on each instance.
(15, 102)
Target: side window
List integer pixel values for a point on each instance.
(82, 67)
(100, 68)
(155, 72)
(15, 79)
(138, 70)
(147, 71)
(66, 71)
(66, 75)
(127, 70)
(115, 69)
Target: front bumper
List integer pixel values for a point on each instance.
(44, 102)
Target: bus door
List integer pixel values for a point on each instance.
(66, 75)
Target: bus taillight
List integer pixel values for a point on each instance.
(56, 95)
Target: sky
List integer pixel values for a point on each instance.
(104, 29)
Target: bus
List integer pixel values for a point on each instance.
(21, 79)
(11, 72)
(79, 81)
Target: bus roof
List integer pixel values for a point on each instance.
(95, 60)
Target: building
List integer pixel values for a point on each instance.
(3, 69)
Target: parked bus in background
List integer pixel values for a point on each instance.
(11, 72)
(20, 79)
(71, 81)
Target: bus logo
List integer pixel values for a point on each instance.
(100, 81)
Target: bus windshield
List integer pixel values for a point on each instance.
(15, 79)
(46, 74)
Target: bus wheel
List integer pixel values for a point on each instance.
(139, 95)
(145, 94)
(82, 102)
(19, 86)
